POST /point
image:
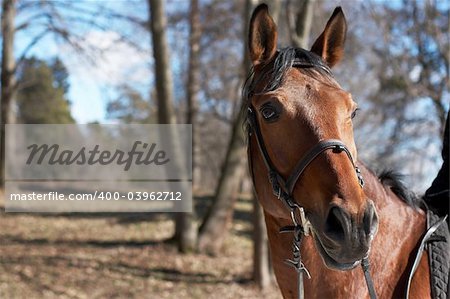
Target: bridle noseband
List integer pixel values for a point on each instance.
(283, 190)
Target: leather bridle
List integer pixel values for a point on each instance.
(283, 190)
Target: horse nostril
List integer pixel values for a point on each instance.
(334, 226)
(370, 220)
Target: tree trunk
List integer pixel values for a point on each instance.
(217, 222)
(185, 229)
(193, 87)
(8, 81)
(301, 30)
(163, 73)
(185, 233)
(261, 256)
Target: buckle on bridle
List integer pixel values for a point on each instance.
(360, 177)
(276, 188)
(303, 222)
(338, 149)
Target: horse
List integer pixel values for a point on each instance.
(300, 134)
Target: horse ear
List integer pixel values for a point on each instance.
(262, 39)
(330, 44)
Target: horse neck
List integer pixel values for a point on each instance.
(400, 227)
(399, 231)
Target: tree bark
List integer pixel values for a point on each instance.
(218, 220)
(163, 73)
(185, 233)
(185, 229)
(8, 80)
(193, 86)
(261, 255)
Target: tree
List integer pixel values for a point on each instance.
(193, 85)
(411, 99)
(60, 75)
(8, 80)
(131, 107)
(300, 23)
(41, 93)
(163, 73)
(184, 230)
(217, 221)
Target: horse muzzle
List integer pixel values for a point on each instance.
(345, 241)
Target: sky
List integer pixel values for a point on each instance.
(93, 85)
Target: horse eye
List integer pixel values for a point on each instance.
(354, 113)
(268, 113)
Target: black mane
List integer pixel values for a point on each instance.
(394, 181)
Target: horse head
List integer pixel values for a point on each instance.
(296, 104)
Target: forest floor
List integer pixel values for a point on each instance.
(120, 256)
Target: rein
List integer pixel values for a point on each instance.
(427, 237)
(283, 190)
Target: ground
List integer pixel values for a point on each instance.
(119, 256)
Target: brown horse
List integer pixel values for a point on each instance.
(298, 112)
